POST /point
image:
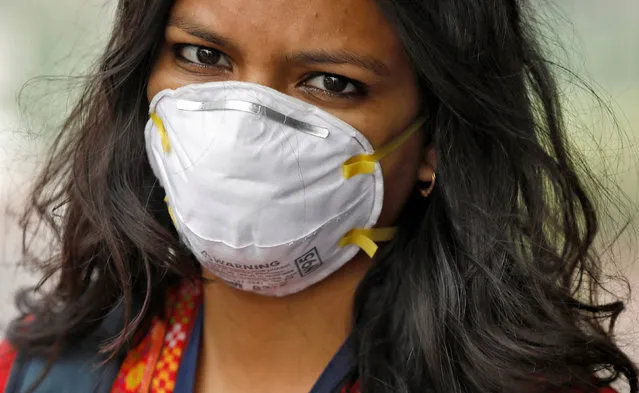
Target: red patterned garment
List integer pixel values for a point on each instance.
(7, 357)
(152, 366)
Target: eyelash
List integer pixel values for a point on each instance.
(361, 89)
(178, 48)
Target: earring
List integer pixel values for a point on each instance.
(427, 191)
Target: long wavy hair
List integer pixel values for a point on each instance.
(490, 285)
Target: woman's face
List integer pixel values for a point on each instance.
(342, 56)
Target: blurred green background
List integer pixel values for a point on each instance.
(598, 39)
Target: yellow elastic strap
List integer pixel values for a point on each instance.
(164, 136)
(366, 238)
(166, 200)
(365, 163)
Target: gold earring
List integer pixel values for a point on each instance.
(427, 191)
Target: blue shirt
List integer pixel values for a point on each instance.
(332, 376)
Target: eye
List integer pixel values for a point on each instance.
(202, 56)
(334, 84)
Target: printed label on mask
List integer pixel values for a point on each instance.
(309, 262)
(257, 277)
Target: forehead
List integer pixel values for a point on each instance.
(291, 25)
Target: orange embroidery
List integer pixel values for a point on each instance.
(152, 366)
(134, 377)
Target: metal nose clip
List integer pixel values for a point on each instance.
(257, 109)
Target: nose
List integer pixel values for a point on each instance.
(269, 73)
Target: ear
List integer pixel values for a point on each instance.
(428, 166)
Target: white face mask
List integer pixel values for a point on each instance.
(271, 194)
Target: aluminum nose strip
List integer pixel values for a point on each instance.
(256, 109)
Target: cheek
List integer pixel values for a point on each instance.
(163, 76)
(400, 171)
(156, 79)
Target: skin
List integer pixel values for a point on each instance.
(283, 344)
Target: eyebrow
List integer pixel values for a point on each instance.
(341, 57)
(197, 31)
(304, 57)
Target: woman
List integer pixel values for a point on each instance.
(321, 196)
